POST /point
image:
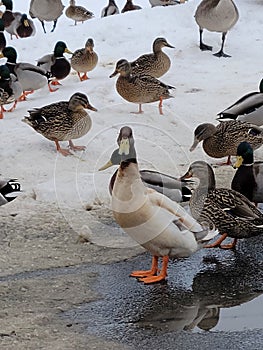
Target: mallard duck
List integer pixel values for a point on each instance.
(216, 16)
(29, 76)
(165, 2)
(2, 35)
(139, 88)
(84, 60)
(110, 9)
(9, 16)
(154, 221)
(228, 210)
(248, 108)
(46, 10)
(156, 63)
(62, 121)
(77, 13)
(163, 183)
(129, 6)
(55, 64)
(223, 139)
(9, 190)
(14, 85)
(6, 91)
(21, 27)
(248, 178)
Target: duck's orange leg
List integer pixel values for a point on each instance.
(217, 243)
(140, 111)
(76, 148)
(84, 77)
(51, 89)
(24, 95)
(1, 112)
(151, 272)
(12, 108)
(63, 151)
(230, 245)
(162, 275)
(161, 106)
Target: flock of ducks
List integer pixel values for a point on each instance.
(145, 203)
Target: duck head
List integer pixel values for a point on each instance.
(10, 53)
(245, 155)
(202, 132)
(79, 101)
(123, 68)
(60, 49)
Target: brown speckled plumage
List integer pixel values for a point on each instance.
(139, 88)
(222, 140)
(229, 211)
(62, 121)
(84, 60)
(78, 13)
(156, 63)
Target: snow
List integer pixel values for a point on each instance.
(204, 85)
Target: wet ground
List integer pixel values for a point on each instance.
(211, 301)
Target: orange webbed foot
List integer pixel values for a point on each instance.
(76, 148)
(217, 243)
(152, 279)
(147, 273)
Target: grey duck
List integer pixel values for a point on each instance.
(62, 121)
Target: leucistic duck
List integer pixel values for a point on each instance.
(139, 88)
(168, 185)
(29, 76)
(56, 66)
(154, 221)
(84, 60)
(110, 9)
(225, 209)
(223, 139)
(248, 108)
(46, 11)
(78, 13)
(216, 16)
(62, 121)
(9, 190)
(248, 178)
(156, 63)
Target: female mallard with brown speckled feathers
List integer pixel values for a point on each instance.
(139, 88)
(84, 60)
(156, 63)
(225, 209)
(78, 13)
(63, 121)
(222, 140)
(6, 92)
(56, 65)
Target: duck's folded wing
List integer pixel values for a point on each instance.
(157, 199)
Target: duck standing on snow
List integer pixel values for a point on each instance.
(156, 63)
(129, 6)
(225, 209)
(248, 108)
(29, 76)
(78, 13)
(9, 17)
(14, 84)
(55, 65)
(84, 60)
(216, 16)
(158, 224)
(6, 92)
(110, 9)
(222, 140)
(168, 185)
(22, 27)
(248, 178)
(139, 88)
(63, 121)
(46, 10)
(9, 190)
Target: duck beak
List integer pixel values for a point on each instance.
(89, 106)
(1, 55)
(106, 166)
(194, 145)
(124, 148)
(113, 74)
(68, 51)
(26, 23)
(239, 162)
(168, 45)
